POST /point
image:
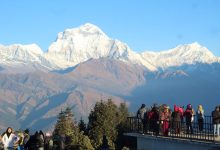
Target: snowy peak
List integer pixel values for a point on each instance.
(182, 54)
(18, 52)
(77, 45)
(194, 50)
(31, 48)
(84, 30)
(78, 41)
(76, 35)
(90, 28)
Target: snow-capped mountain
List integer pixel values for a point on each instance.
(77, 45)
(84, 66)
(29, 56)
(20, 53)
(181, 55)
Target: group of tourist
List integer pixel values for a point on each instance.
(21, 140)
(161, 118)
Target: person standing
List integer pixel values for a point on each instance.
(200, 117)
(26, 138)
(189, 118)
(20, 141)
(154, 121)
(48, 142)
(176, 118)
(63, 141)
(165, 118)
(141, 114)
(39, 141)
(9, 139)
(216, 120)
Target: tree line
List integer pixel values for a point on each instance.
(104, 130)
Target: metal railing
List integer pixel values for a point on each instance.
(174, 129)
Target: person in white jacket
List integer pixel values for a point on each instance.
(9, 139)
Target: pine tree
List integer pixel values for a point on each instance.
(66, 126)
(123, 113)
(122, 126)
(104, 120)
(60, 125)
(82, 127)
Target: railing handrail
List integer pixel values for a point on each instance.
(207, 134)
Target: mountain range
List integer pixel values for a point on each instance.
(83, 65)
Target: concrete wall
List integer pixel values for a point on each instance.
(147, 142)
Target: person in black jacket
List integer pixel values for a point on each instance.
(35, 142)
(216, 120)
(155, 120)
(39, 141)
(189, 118)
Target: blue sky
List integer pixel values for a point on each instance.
(142, 24)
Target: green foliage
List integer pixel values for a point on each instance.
(65, 126)
(105, 119)
(84, 141)
(82, 127)
(78, 139)
(122, 124)
(123, 113)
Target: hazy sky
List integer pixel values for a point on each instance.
(142, 24)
